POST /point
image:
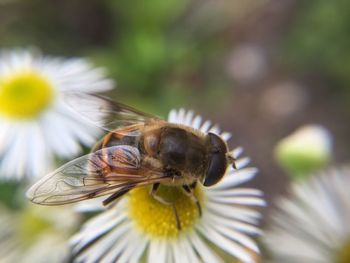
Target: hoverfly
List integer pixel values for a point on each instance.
(139, 149)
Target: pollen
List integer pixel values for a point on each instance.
(24, 95)
(157, 219)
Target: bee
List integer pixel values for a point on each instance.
(139, 149)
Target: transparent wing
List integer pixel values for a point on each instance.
(105, 113)
(103, 172)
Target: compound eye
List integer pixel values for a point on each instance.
(216, 169)
(151, 143)
(217, 160)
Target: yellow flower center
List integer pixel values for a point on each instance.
(157, 219)
(344, 255)
(24, 95)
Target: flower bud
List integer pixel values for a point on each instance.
(307, 149)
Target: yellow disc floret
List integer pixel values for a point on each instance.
(157, 219)
(24, 95)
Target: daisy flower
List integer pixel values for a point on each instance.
(139, 228)
(312, 225)
(35, 122)
(36, 234)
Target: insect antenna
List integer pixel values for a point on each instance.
(231, 160)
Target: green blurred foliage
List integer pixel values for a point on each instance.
(11, 194)
(5, 191)
(319, 40)
(58, 27)
(156, 55)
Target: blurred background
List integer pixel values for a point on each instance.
(260, 69)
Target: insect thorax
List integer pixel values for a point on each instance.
(183, 151)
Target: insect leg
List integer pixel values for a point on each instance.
(165, 202)
(189, 192)
(116, 195)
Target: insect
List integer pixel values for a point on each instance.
(139, 149)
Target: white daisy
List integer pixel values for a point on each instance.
(35, 122)
(312, 225)
(139, 228)
(36, 234)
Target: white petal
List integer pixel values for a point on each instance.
(242, 162)
(205, 126)
(196, 123)
(134, 240)
(235, 192)
(181, 116)
(97, 227)
(179, 253)
(237, 152)
(99, 249)
(192, 256)
(236, 177)
(13, 164)
(92, 205)
(157, 252)
(169, 256)
(120, 246)
(203, 250)
(172, 117)
(240, 213)
(226, 136)
(60, 136)
(226, 244)
(41, 157)
(236, 236)
(139, 250)
(234, 224)
(248, 201)
(188, 118)
(82, 131)
(7, 135)
(78, 75)
(215, 129)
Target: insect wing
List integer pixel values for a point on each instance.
(100, 173)
(105, 113)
